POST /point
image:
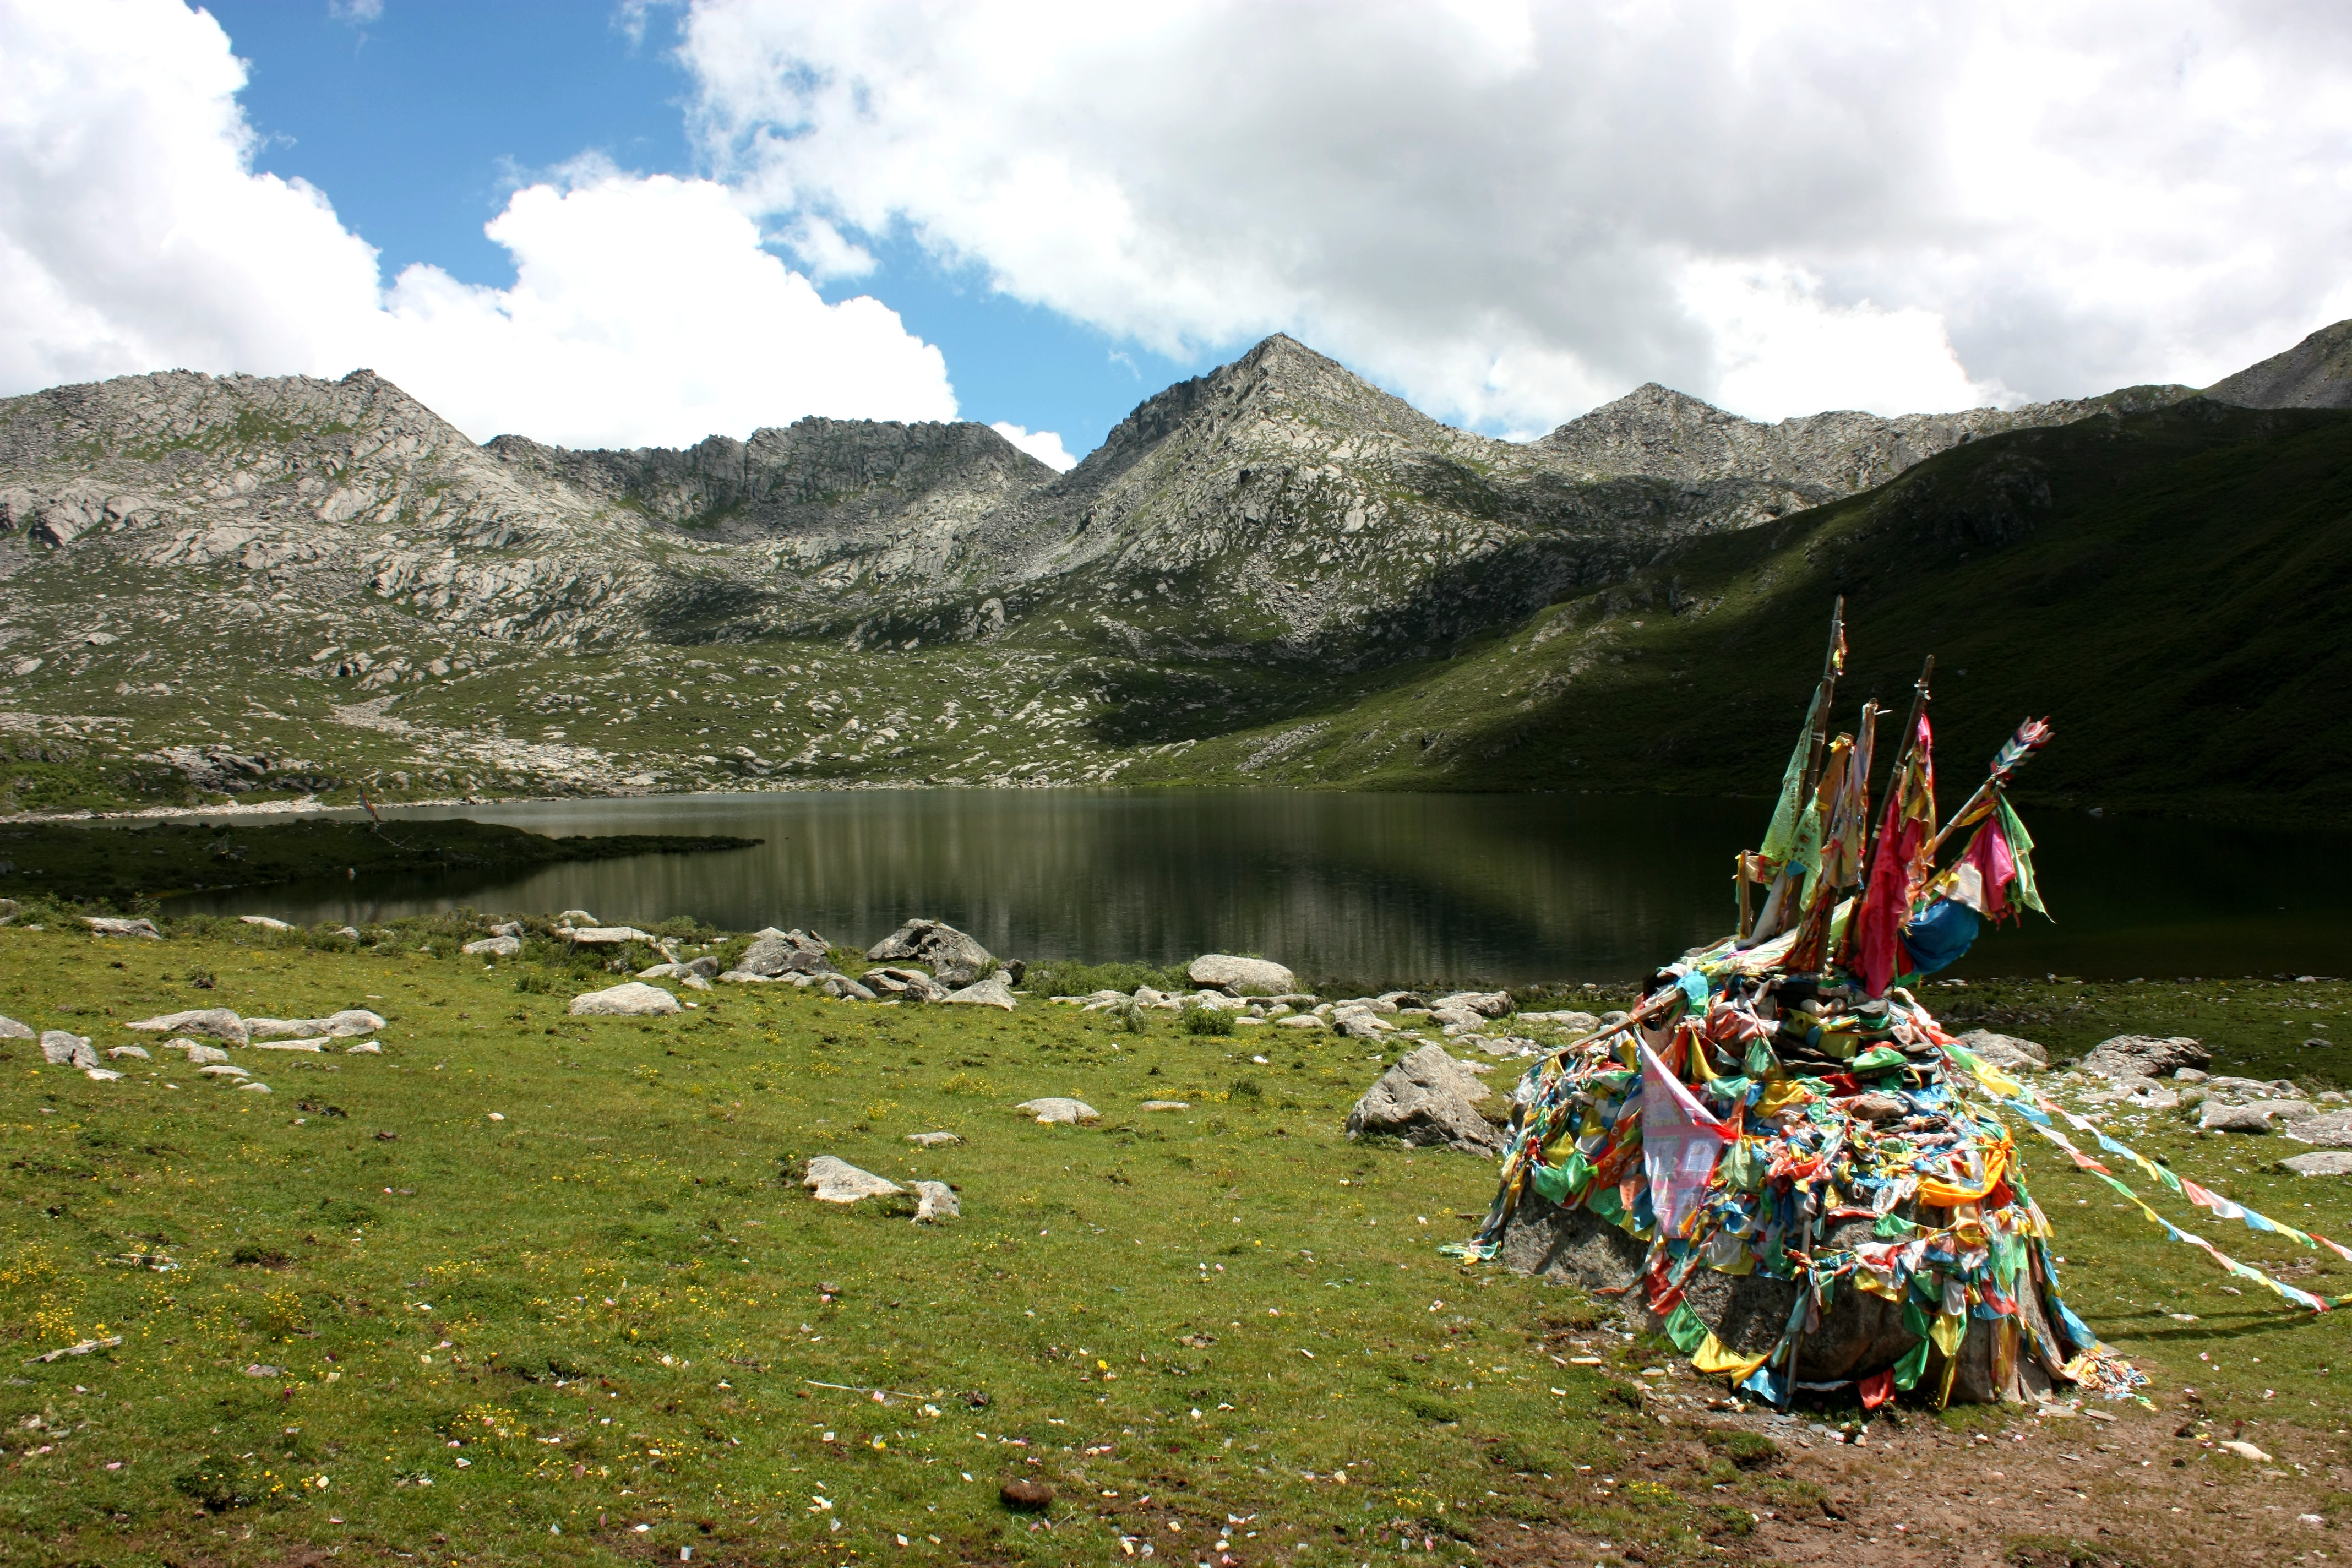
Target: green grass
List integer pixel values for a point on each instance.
(612, 1305)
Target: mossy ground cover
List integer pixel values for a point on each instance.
(526, 1283)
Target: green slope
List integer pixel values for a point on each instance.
(2170, 587)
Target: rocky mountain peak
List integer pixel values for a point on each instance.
(2315, 374)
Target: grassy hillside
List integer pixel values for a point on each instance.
(2174, 588)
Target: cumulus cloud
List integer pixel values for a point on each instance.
(1045, 445)
(1510, 211)
(135, 234)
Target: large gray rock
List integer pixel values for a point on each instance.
(1241, 976)
(837, 1181)
(1428, 1099)
(198, 1055)
(2254, 1116)
(2144, 1056)
(956, 960)
(2325, 1162)
(12, 1031)
(59, 1048)
(774, 952)
(1058, 1110)
(2326, 1129)
(936, 1203)
(900, 980)
(218, 1023)
(632, 999)
(105, 925)
(842, 988)
(494, 947)
(607, 936)
(2007, 1052)
(1486, 1004)
(989, 993)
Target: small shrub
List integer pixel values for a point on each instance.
(217, 1483)
(533, 982)
(1247, 1089)
(1199, 1020)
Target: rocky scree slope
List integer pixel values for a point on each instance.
(2315, 374)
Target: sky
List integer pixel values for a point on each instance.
(632, 222)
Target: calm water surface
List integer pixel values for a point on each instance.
(1375, 888)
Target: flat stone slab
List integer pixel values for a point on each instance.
(632, 999)
(835, 1181)
(1058, 1111)
(2322, 1162)
(2328, 1129)
(218, 1023)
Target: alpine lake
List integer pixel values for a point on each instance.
(1370, 888)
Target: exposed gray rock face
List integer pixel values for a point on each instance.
(774, 952)
(2006, 1051)
(2315, 374)
(632, 1000)
(1241, 976)
(836, 1181)
(1428, 1099)
(2144, 1056)
(1653, 430)
(956, 960)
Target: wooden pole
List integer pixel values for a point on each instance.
(1824, 696)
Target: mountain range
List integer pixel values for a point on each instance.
(259, 586)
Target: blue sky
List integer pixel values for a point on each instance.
(419, 123)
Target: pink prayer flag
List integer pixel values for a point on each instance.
(1681, 1142)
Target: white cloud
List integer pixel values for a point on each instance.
(134, 236)
(1510, 211)
(356, 13)
(1045, 445)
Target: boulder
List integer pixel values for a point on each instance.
(1055, 1110)
(2144, 1056)
(2219, 1116)
(117, 1052)
(900, 981)
(341, 1025)
(936, 1201)
(1301, 1021)
(103, 1075)
(1428, 1099)
(2231, 1088)
(1360, 1025)
(494, 947)
(2007, 1052)
(59, 1048)
(222, 1070)
(2327, 1130)
(607, 936)
(841, 987)
(106, 925)
(1403, 999)
(254, 1088)
(198, 1055)
(2327, 1163)
(217, 1022)
(1241, 976)
(839, 1182)
(266, 923)
(1380, 1004)
(12, 1031)
(774, 952)
(366, 1048)
(632, 999)
(1486, 1004)
(1457, 1018)
(956, 959)
(575, 918)
(503, 927)
(991, 992)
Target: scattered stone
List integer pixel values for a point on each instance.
(2188, 1075)
(2244, 1451)
(508, 928)
(2219, 1116)
(991, 992)
(1428, 1099)
(217, 1022)
(83, 1348)
(839, 1182)
(103, 1075)
(119, 1052)
(2007, 1052)
(1055, 1110)
(1486, 1004)
(575, 918)
(342, 1025)
(900, 981)
(261, 1369)
(1301, 1021)
(933, 1140)
(494, 947)
(12, 1031)
(198, 1055)
(1404, 999)
(106, 925)
(2144, 1056)
(774, 952)
(2326, 1129)
(59, 1048)
(2323, 1163)
(936, 1202)
(1025, 1496)
(1453, 1018)
(1376, 1004)
(607, 936)
(1241, 976)
(1165, 1105)
(255, 1088)
(632, 999)
(2138, 1093)
(314, 1045)
(2252, 1087)
(366, 1048)
(956, 959)
(843, 987)
(1580, 1022)
(222, 1070)
(266, 923)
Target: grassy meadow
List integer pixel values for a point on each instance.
(531, 1288)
